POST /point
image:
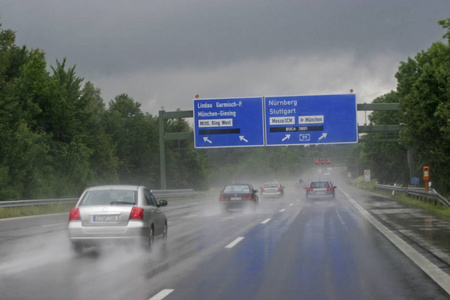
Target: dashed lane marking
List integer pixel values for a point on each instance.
(234, 243)
(162, 294)
(266, 221)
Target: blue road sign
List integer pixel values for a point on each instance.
(232, 122)
(308, 120)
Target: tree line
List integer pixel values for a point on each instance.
(57, 136)
(423, 94)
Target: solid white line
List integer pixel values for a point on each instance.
(266, 220)
(234, 243)
(439, 276)
(282, 210)
(291, 204)
(162, 294)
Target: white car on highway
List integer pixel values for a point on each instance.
(116, 213)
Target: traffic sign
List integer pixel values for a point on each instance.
(306, 120)
(231, 122)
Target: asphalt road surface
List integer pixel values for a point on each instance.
(359, 246)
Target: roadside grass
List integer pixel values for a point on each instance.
(437, 209)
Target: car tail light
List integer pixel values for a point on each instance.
(279, 189)
(330, 189)
(310, 189)
(262, 190)
(222, 197)
(74, 214)
(249, 197)
(137, 213)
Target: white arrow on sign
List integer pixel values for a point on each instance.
(324, 135)
(288, 136)
(241, 137)
(205, 139)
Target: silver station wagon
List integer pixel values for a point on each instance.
(116, 213)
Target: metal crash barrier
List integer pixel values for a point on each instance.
(157, 193)
(418, 193)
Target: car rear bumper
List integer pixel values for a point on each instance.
(273, 195)
(321, 196)
(93, 235)
(229, 204)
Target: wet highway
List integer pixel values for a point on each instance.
(359, 246)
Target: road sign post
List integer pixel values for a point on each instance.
(426, 177)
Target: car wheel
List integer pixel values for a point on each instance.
(150, 239)
(165, 232)
(77, 248)
(224, 209)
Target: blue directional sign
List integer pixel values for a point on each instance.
(233, 122)
(307, 120)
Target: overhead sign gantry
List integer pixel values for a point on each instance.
(275, 121)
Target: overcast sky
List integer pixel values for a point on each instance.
(164, 52)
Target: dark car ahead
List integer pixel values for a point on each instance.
(320, 189)
(238, 196)
(116, 213)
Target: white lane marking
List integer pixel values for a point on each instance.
(282, 210)
(234, 243)
(291, 204)
(227, 218)
(162, 294)
(56, 224)
(440, 277)
(266, 220)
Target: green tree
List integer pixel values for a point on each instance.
(386, 160)
(24, 148)
(424, 89)
(103, 161)
(135, 138)
(186, 167)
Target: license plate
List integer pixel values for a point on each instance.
(106, 218)
(235, 198)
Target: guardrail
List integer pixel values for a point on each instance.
(156, 193)
(174, 193)
(418, 193)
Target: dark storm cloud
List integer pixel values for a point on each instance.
(117, 36)
(161, 50)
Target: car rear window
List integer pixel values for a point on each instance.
(271, 185)
(236, 189)
(320, 184)
(109, 197)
